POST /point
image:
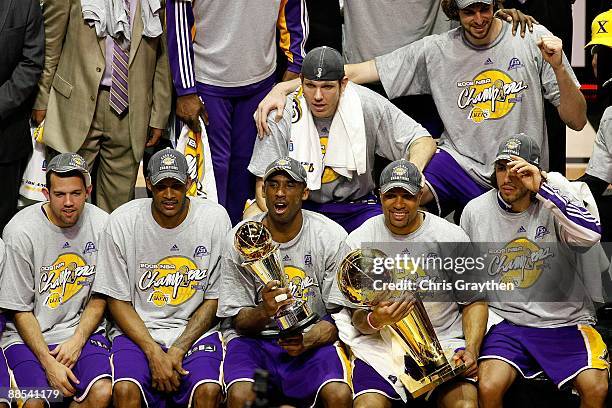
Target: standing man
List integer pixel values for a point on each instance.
(334, 128)
(404, 229)
(160, 273)
(105, 95)
(548, 318)
(22, 42)
(224, 71)
(485, 82)
(307, 367)
(56, 338)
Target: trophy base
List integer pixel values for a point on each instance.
(428, 383)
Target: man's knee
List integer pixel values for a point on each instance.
(593, 384)
(126, 393)
(336, 394)
(494, 379)
(239, 394)
(100, 393)
(34, 403)
(372, 399)
(207, 395)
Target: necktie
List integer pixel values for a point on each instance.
(119, 84)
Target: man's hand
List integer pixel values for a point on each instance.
(60, 377)
(516, 17)
(189, 109)
(176, 356)
(386, 312)
(275, 99)
(469, 359)
(68, 352)
(274, 297)
(163, 376)
(294, 345)
(552, 50)
(154, 136)
(38, 116)
(529, 174)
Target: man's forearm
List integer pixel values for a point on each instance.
(362, 73)
(321, 333)
(474, 319)
(199, 323)
(251, 320)
(29, 330)
(91, 317)
(572, 105)
(421, 151)
(132, 325)
(360, 322)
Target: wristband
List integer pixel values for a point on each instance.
(370, 323)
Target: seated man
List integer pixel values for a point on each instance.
(403, 228)
(548, 317)
(308, 366)
(334, 128)
(56, 338)
(485, 83)
(159, 267)
(5, 380)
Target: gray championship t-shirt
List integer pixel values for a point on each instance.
(49, 270)
(165, 273)
(435, 237)
(483, 94)
(525, 249)
(389, 133)
(600, 163)
(309, 261)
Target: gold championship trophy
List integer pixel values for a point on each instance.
(425, 365)
(262, 258)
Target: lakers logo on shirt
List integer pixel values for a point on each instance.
(63, 279)
(329, 174)
(300, 284)
(490, 95)
(172, 281)
(520, 262)
(296, 112)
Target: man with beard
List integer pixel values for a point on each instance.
(159, 271)
(309, 365)
(548, 318)
(56, 336)
(460, 69)
(403, 228)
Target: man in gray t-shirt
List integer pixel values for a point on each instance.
(56, 338)
(405, 230)
(486, 83)
(159, 268)
(532, 233)
(307, 365)
(335, 128)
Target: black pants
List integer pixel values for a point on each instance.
(10, 180)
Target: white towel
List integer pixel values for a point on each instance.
(346, 151)
(380, 351)
(110, 17)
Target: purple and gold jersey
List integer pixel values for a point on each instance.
(165, 273)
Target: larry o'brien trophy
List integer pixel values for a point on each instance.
(425, 365)
(262, 258)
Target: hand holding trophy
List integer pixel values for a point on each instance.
(262, 258)
(425, 365)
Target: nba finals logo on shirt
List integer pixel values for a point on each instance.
(299, 283)
(520, 262)
(63, 279)
(490, 95)
(173, 280)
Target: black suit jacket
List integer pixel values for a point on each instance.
(22, 52)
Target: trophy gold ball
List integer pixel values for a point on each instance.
(261, 256)
(361, 278)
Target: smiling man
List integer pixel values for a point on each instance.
(56, 337)
(548, 320)
(306, 367)
(404, 229)
(334, 128)
(160, 272)
(485, 83)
